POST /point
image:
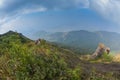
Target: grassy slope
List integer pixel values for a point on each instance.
(21, 59)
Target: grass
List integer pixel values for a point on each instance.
(105, 58)
(116, 58)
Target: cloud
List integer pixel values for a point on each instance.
(9, 9)
(7, 26)
(109, 9)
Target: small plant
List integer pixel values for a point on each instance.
(106, 57)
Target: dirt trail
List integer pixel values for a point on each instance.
(104, 67)
(113, 67)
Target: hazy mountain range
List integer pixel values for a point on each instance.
(84, 40)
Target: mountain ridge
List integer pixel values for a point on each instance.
(84, 39)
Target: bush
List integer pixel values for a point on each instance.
(106, 57)
(21, 63)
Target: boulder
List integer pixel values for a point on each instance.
(37, 42)
(101, 49)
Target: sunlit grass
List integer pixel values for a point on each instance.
(105, 58)
(116, 58)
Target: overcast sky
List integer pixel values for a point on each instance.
(27, 16)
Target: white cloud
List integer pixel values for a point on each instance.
(1, 3)
(33, 10)
(109, 9)
(9, 24)
(9, 9)
(15, 7)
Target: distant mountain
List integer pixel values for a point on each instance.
(85, 41)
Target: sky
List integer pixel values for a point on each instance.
(29, 16)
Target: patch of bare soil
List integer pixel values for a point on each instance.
(103, 67)
(106, 67)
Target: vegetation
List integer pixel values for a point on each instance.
(20, 64)
(105, 58)
(21, 59)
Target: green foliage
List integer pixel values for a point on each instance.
(22, 64)
(103, 59)
(95, 75)
(107, 57)
(21, 59)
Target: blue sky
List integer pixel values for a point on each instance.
(27, 16)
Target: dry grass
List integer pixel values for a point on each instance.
(116, 58)
(85, 57)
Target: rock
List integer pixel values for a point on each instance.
(37, 42)
(100, 50)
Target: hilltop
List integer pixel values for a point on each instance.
(15, 37)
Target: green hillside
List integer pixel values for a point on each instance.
(22, 59)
